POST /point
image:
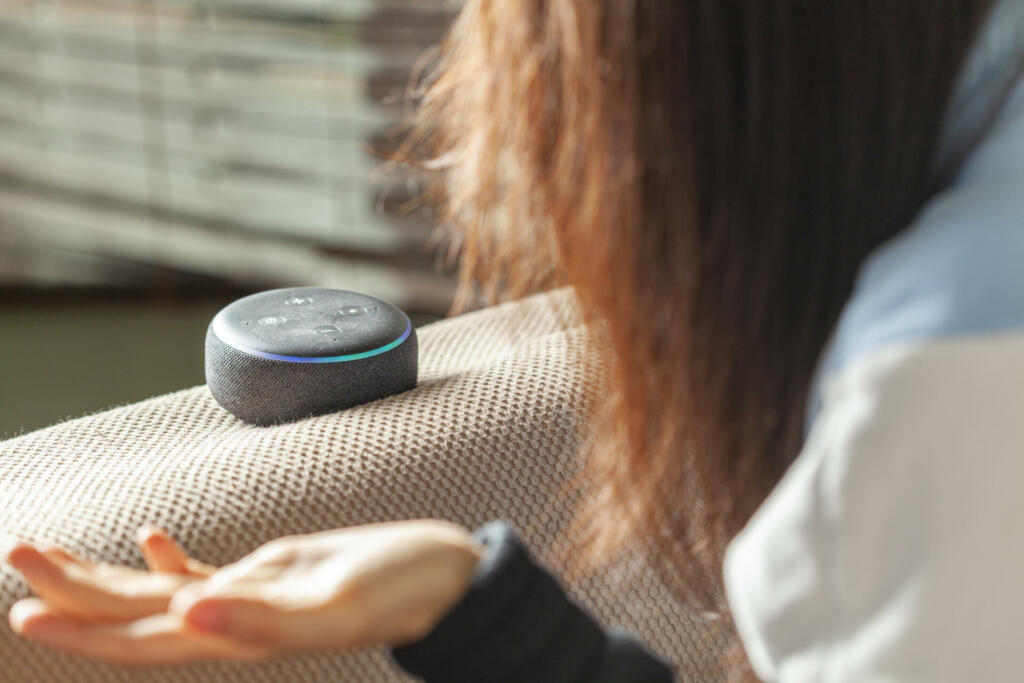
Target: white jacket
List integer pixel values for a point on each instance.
(893, 548)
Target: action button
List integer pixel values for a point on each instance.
(352, 311)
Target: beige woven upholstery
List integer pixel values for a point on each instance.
(492, 431)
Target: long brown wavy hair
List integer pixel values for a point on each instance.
(708, 175)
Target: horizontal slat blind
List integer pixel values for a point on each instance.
(210, 135)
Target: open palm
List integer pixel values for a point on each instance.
(385, 583)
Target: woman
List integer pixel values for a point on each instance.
(728, 186)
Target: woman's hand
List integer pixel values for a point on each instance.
(385, 583)
(105, 592)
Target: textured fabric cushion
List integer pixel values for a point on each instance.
(492, 431)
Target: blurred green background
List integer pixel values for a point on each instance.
(67, 354)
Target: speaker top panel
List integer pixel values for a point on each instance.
(310, 324)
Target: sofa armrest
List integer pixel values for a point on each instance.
(493, 430)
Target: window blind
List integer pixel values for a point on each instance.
(219, 137)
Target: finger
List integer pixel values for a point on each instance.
(94, 591)
(157, 639)
(62, 555)
(160, 551)
(42, 572)
(250, 618)
(199, 569)
(13, 548)
(163, 554)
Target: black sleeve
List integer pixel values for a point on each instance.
(516, 624)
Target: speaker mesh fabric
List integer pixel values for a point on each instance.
(264, 391)
(493, 430)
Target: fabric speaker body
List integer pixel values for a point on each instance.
(286, 354)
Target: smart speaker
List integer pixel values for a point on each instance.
(286, 354)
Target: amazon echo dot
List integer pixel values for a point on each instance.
(286, 354)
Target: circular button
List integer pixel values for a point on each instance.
(271, 320)
(327, 329)
(298, 301)
(352, 311)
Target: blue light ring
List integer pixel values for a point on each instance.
(327, 359)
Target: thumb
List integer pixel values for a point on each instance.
(248, 616)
